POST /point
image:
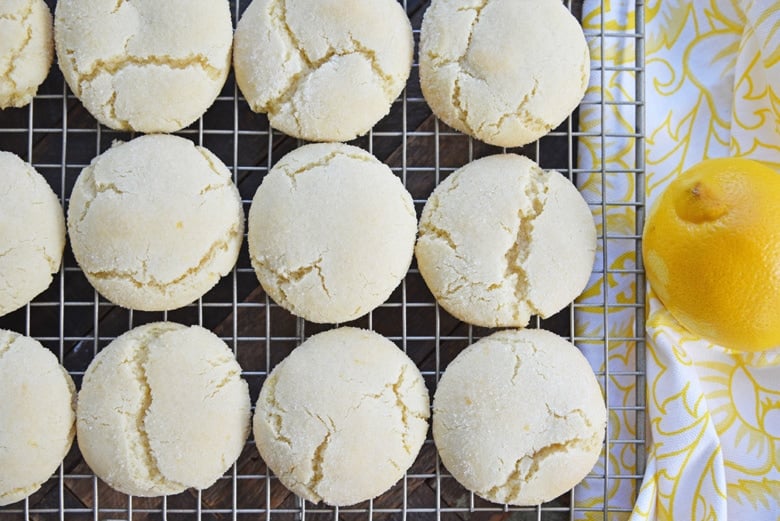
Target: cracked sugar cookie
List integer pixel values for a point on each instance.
(518, 417)
(37, 415)
(331, 232)
(502, 240)
(163, 408)
(26, 50)
(504, 71)
(144, 65)
(343, 417)
(155, 222)
(323, 70)
(32, 233)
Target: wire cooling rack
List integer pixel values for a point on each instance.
(60, 138)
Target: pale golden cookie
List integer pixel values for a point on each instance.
(343, 417)
(26, 50)
(163, 408)
(323, 70)
(37, 415)
(502, 240)
(504, 71)
(518, 417)
(155, 222)
(32, 233)
(331, 232)
(144, 65)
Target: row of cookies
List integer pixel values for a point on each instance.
(323, 70)
(518, 416)
(155, 222)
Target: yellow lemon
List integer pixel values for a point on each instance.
(712, 252)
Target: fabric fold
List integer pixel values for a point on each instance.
(712, 90)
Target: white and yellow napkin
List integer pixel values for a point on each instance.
(712, 90)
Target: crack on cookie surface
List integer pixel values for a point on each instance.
(298, 275)
(90, 185)
(280, 7)
(131, 276)
(460, 109)
(17, 15)
(123, 124)
(16, 98)
(323, 162)
(112, 66)
(278, 279)
(318, 270)
(370, 54)
(278, 15)
(231, 376)
(529, 120)
(118, 6)
(213, 165)
(437, 59)
(517, 256)
(579, 413)
(457, 102)
(527, 466)
(53, 264)
(430, 230)
(223, 175)
(277, 104)
(516, 368)
(407, 414)
(318, 460)
(274, 412)
(141, 446)
(10, 339)
(15, 58)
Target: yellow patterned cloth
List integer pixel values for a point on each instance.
(713, 71)
(712, 90)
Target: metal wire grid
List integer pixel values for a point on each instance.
(57, 136)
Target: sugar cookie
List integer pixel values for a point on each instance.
(32, 233)
(331, 232)
(144, 65)
(26, 50)
(323, 70)
(504, 71)
(518, 417)
(37, 415)
(155, 222)
(163, 408)
(501, 240)
(343, 417)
